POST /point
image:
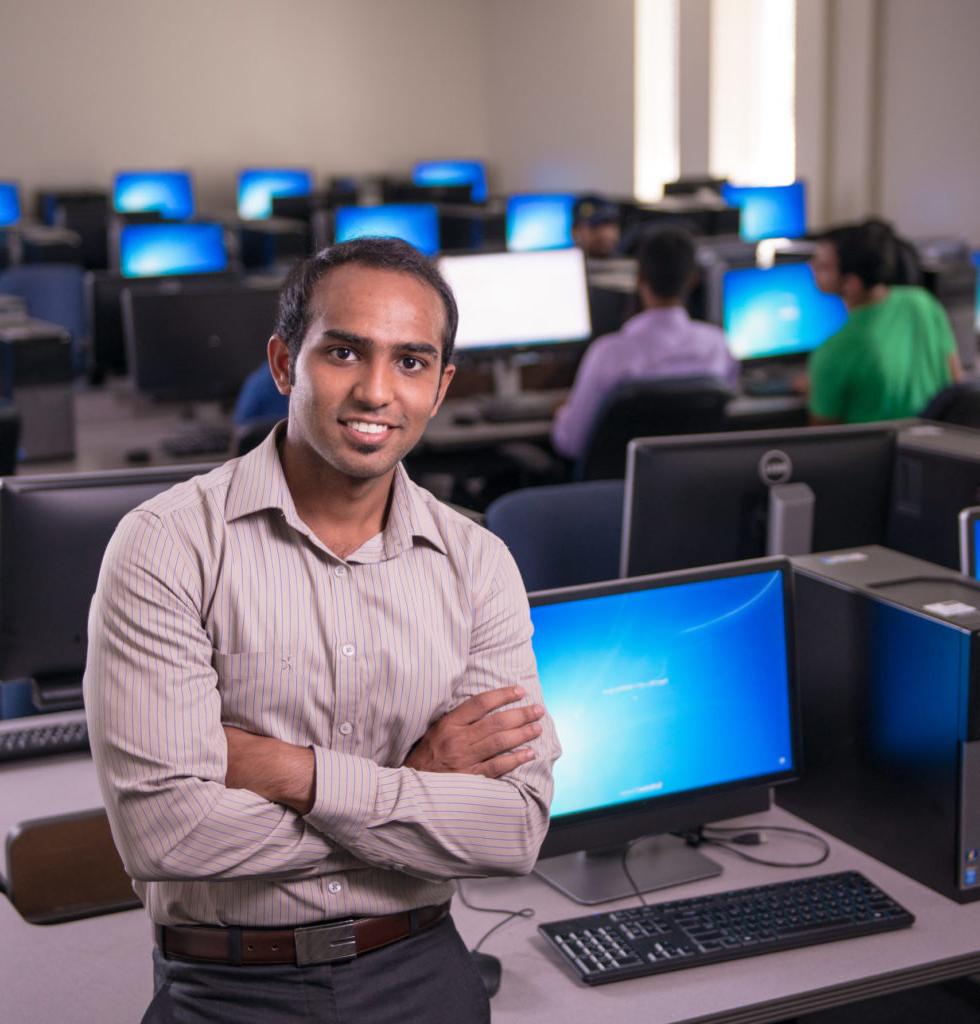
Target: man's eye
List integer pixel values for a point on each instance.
(343, 353)
(411, 363)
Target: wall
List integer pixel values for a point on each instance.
(100, 85)
(559, 93)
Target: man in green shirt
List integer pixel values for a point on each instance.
(896, 349)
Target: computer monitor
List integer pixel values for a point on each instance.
(768, 211)
(258, 187)
(519, 300)
(443, 173)
(197, 344)
(976, 263)
(969, 538)
(53, 533)
(675, 700)
(9, 204)
(705, 498)
(162, 250)
(539, 222)
(415, 223)
(777, 311)
(168, 193)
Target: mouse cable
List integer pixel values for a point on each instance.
(511, 914)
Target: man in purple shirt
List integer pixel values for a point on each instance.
(662, 341)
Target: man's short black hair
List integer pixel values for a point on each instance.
(293, 320)
(667, 263)
(869, 250)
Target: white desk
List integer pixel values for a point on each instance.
(99, 969)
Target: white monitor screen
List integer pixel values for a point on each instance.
(519, 298)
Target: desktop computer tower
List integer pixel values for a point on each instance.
(36, 376)
(936, 475)
(274, 242)
(888, 654)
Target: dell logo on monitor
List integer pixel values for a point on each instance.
(775, 467)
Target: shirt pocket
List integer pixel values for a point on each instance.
(261, 691)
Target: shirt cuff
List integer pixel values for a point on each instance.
(345, 792)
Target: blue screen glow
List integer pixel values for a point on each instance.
(9, 203)
(975, 567)
(433, 173)
(257, 188)
(415, 223)
(168, 193)
(157, 250)
(539, 222)
(777, 311)
(662, 691)
(976, 263)
(768, 211)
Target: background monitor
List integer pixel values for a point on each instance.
(168, 193)
(768, 211)
(159, 250)
(258, 187)
(704, 498)
(415, 223)
(777, 311)
(976, 263)
(515, 300)
(674, 699)
(969, 535)
(46, 524)
(443, 173)
(199, 343)
(539, 222)
(9, 204)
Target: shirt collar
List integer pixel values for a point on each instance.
(259, 483)
(678, 313)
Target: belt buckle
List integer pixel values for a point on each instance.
(325, 943)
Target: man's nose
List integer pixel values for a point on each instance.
(373, 388)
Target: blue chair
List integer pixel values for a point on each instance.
(54, 292)
(561, 535)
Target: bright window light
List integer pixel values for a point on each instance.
(753, 91)
(656, 142)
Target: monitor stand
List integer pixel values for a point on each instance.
(654, 863)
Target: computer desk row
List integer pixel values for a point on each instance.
(99, 968)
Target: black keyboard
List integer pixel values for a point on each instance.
(528, 405)
(724, 926)
(42, 740)
(206, 441)
(773, 386)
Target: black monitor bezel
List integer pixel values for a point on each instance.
(609, 826)
(968, 551)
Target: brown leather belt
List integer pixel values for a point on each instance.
(310, 944)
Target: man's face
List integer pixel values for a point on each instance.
(368, 376)
(597, 240)
(826, 269)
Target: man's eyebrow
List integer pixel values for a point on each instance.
(421, 348)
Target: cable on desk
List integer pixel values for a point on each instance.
(525, 912)
(754, 835)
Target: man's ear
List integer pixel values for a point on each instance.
(278, 354)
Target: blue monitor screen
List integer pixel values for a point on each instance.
(768, 211)
(434, 173)
(666, 690)
(157, 250)
(257, 189)
(168, 193)
(777, 311)
(976, 263)
(9, 203)
(539, 222)
(415, 223)
(975, 567)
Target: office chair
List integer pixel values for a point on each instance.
(562, 534)
(681, 405)
(9, 438)
(54, 292)
(958, 403)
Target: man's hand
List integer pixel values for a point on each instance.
(473, 741)
(280, 772)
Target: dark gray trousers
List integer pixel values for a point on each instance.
(427, 977)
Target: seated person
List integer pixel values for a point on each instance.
(595, 227)
(896, 350)
(259, 398)
(660, 342)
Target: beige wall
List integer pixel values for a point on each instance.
(560, 93)
(91, 86)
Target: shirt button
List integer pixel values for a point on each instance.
(346, 728)
(347, 650)
(340, 570)
(334, 887)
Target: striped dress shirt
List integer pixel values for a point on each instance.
(217, 605)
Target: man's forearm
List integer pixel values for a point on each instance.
(282, 773)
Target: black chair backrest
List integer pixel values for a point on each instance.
(9, 439)
(682, 405)
(958, 403)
